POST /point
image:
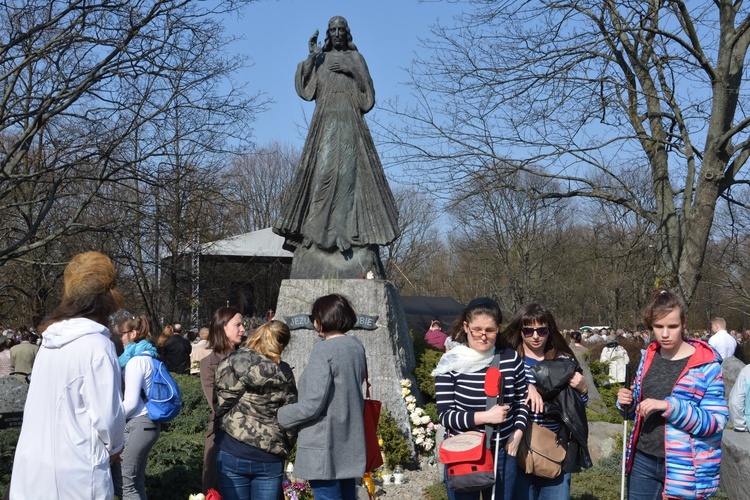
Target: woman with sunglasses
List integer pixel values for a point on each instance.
(533, 333)
(460, 391)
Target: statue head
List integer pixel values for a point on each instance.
(338, 35)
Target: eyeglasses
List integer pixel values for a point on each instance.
(542, 331)
(478, 334)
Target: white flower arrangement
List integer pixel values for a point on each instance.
(423, 429)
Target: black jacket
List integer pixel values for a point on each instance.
(175, 353)
(565, 403)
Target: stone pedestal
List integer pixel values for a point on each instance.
(389, 349)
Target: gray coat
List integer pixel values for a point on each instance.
(331, 441)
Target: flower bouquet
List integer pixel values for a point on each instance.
(297, 490)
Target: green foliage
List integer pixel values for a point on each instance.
(436, 491)
(8, 440)
(431, 410)
(175, 463)
(395, 446)
(423, 373)
(193, 419)
(600, 374)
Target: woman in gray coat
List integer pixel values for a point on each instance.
(331, 441)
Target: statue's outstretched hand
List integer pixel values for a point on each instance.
(313, 44)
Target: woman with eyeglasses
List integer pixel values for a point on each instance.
(129, 476)
(460, 391)
(533, 333)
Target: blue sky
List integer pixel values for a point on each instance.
(276, 33)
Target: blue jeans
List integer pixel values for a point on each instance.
(240, 479)
(506, 478)
(540, 488)
(334, 489)
(646, 479)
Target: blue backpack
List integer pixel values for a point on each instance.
(164, 400)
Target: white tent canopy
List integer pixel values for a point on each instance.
(262, 243)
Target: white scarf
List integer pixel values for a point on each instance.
(463, 359)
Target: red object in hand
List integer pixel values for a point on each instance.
(493, 384)
(213, 495)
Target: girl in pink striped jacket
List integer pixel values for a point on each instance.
(680, 410)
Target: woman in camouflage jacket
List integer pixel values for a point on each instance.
(251, 385)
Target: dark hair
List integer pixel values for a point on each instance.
(328, 44)
(138, 323)
(662, 303)
(90, 290)
(270, 339)
(536, 313)
(575, 336)
(334, 313)
(217, 339)
(482, 306)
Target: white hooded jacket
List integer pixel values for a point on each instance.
(73, 419)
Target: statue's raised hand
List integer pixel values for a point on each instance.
(313, 45)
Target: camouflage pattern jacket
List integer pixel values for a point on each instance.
(249, 389)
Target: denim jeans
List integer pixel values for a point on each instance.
(529, 487)
(129, 476)
(507, 471)
(646, 479)
(334, 489)
(240, 478)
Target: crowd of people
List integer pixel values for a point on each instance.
(86, 423)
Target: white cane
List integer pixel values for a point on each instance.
(493, 387)
(624, 455)
(625, 435)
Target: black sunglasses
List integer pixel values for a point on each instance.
(542, 331)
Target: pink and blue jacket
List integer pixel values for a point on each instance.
(695, 419)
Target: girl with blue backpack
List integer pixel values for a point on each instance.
(129, 476)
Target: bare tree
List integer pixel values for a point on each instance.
(68, 110)
(408, 260)
(520, 240)
(257, 187)
(583, 92)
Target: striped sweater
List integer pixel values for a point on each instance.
(695, 419)
(460, 395)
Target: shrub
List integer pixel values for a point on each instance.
(423, 373)
(175, 463)
(395, 446)
(436, 491)
(8, 440)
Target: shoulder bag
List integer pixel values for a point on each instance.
(540, 452)
(371, 416)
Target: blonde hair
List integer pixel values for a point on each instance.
(166, 332)
(270, 339)
(90, 290)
